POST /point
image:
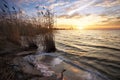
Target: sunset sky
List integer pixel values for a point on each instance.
(81, 14)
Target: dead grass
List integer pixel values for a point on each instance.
(14, 25)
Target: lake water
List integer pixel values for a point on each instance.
(96, 51)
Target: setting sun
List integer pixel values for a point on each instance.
(80, 27)
(79, 23)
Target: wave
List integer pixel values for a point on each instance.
(97, 51)
(92, 73)
(97, 46)
(110, 68)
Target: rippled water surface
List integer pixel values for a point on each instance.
(94, 50)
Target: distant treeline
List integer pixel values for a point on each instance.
(64, 29)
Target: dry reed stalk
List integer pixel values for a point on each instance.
(13, 27)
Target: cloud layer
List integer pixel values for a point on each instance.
(105, 12)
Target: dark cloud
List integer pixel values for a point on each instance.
(73, 16)
(111, 23)
(118, 17)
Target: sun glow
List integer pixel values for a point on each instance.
(80, 23)
(80, 27)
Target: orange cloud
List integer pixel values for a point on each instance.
(109, 3)
(73, 16)
(90, 22)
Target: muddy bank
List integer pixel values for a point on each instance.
(26, 67)
(15, 66)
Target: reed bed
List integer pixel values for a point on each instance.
(14, 24)
(6, 71)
